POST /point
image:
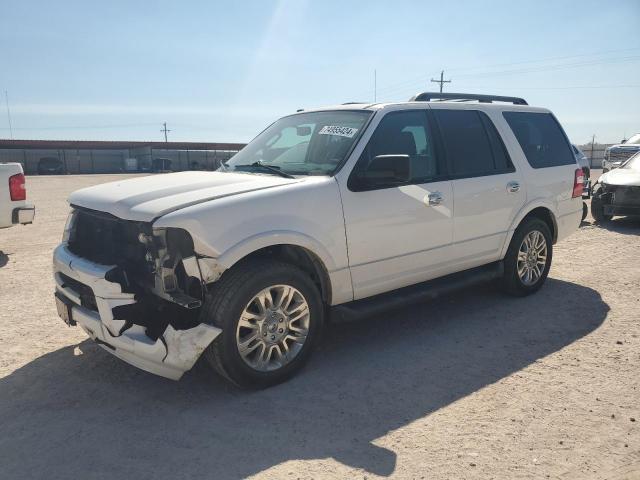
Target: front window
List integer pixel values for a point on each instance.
(634, 140)
(313, 143)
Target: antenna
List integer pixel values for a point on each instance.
(6, 99)
(375, 86)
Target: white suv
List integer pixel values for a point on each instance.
(326, 211)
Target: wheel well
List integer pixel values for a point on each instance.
(301, 258)
(547, 217)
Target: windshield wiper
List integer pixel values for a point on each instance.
(270, 168)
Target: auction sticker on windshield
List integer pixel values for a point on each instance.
(339, 131)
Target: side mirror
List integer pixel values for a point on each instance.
(387, 170)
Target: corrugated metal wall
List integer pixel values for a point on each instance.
(82, 161)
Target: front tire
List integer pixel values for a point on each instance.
(528, 259)
(271, 316)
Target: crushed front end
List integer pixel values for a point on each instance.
(135, 290)
(620, 199)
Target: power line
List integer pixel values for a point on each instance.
(407, 89)
(402, 86)
(441, 81)
(164, 129)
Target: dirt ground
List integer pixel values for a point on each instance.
(474, 385)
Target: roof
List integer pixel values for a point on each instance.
(116, 145)
(483, 101)
(424, 104)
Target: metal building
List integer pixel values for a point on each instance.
(41, 157)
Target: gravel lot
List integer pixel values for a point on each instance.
(475, 385)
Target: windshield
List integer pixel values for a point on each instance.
(312, 143)
(633, 163)
(634, 140)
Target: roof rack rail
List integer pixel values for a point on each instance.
(429, 96)
(355, 103)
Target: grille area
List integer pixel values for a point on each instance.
(626, 196)
(107, 240)
(621, 155)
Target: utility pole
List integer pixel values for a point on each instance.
(442, 81)
(6, 99)
(164, 129)
(593, 140)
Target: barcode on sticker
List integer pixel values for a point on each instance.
(339, 131)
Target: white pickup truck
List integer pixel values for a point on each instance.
(14, 209)
(347, 210)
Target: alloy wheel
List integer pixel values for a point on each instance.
(532, 257)
(273, 328)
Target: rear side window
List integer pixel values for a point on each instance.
(541, 138)
(472, 143)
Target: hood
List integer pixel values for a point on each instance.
(621, 177)
(147, 198)
(622, 147)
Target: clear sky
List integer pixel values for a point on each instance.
(221, 71)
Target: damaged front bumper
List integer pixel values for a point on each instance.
(94, 303)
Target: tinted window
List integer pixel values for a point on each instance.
(501, 160)
(403, 133)
(541, 138)
(473, 146)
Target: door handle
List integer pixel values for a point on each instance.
(434, 199)
(513, 187)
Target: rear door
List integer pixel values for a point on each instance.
(398, 234)
(488, 192)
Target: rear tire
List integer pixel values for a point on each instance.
(250, 303)
(585, 211)
(528, 258)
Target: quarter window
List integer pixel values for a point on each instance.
(541, 138)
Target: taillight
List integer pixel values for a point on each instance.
(578, 183)
(17, 188)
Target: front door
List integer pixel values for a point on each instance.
(398, 234)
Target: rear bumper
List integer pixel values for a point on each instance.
(23, 215)
(586, 191)
(174, 353)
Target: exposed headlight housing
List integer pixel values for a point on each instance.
(68, 226)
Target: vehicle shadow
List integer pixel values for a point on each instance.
(80, 412)
(4, 259)
(623, 225)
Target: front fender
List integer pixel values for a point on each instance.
(279, 237)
